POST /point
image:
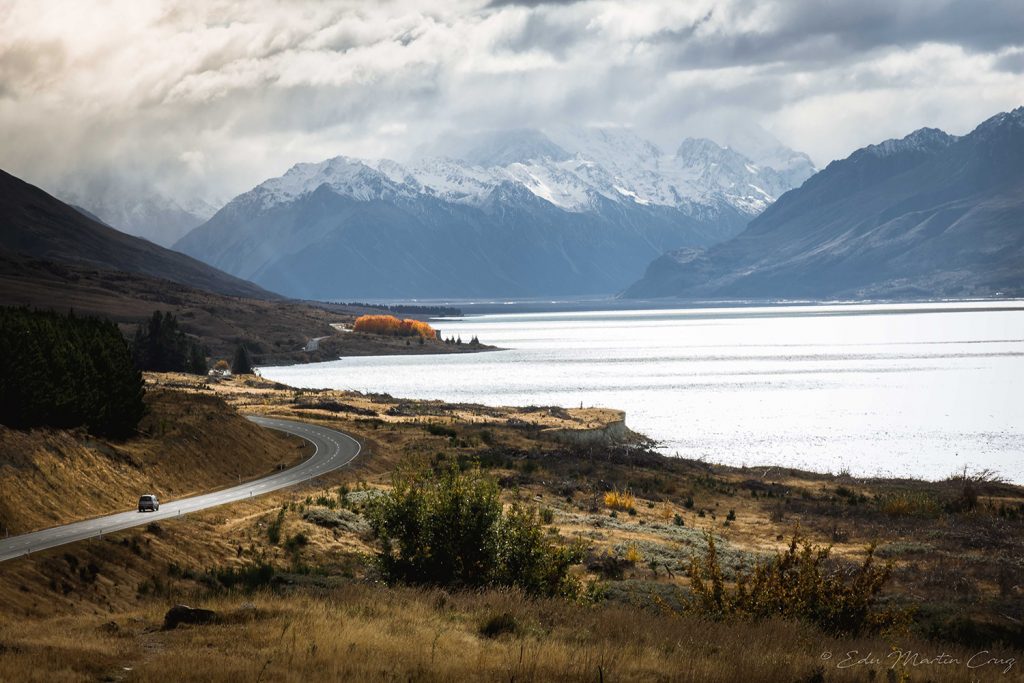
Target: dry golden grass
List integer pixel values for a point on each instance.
(619, 500)
(360, 632)
(366, 633)
(190, 443)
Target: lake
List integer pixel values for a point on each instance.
(909, 389)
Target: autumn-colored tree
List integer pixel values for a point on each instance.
(390, 325)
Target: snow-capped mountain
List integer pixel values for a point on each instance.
(926, 215)
(615, 164)
(588, 187)
(765, 150)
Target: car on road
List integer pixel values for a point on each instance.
(149, 502)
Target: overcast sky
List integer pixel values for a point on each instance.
(212, 98)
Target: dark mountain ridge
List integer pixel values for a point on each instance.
(927, 215)
(39, 226)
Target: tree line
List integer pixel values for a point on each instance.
(390, 325)
(159, 345)
(67, 371)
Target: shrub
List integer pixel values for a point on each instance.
(249, 577)
(547, 515)
(342, 519)
(449, 529)
(498, 624)
(274, 528)
(296, 542)
(910, 504)
(801, 584)
(633, 555)
(441, 430)
(619, 500)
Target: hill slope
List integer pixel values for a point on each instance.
(927, 215)
(39, 226)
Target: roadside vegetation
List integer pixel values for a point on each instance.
(448, 528)
(470, 542)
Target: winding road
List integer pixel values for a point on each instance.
(334, 449)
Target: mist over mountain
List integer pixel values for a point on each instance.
(929, 214)
(139, 211)
(521, 212)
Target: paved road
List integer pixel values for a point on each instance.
(333, 450)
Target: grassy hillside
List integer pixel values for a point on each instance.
(188, 443)
(298, 595)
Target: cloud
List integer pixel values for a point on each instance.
(207, 99)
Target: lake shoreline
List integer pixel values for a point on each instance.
(884, 391)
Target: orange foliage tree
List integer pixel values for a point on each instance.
(389, 324)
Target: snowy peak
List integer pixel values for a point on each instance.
(574, 169)
(1004, 127)
(344, 175)
(922, 140)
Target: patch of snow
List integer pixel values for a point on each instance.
(568, 167)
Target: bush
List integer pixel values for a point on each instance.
(249, 577)
(274, 528)
(345, 520)
(499, 624)
(449, 529)
(296, 542)
(441, 430)
(620, 500)
(909, 504)
(801, 584)
(633, 555)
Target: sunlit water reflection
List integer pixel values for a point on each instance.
(920, 390)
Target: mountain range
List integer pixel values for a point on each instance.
(135, 208)
(928, 215)
(517, 213)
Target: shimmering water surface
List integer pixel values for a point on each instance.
(912, 389)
